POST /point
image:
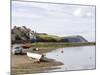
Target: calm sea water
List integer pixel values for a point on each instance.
(74, 58)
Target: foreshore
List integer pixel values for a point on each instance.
(21, 64)
(24, 65)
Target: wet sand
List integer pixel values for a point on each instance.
(21, 64)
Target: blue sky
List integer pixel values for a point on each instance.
(55, 19)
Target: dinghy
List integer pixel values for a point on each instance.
(37, 57)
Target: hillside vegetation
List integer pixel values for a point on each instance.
(26, 35)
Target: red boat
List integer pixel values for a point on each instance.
(26, 46)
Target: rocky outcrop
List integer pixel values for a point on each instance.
(21, 34)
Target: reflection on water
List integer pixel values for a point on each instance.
(74, 58)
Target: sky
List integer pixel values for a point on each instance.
(55, 19)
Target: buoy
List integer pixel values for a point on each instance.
(62, 51)
(37, 49)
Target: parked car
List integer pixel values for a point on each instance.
(17, 50)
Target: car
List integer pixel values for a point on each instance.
(17, 50)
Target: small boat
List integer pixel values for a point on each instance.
(36, 56)
(26, 46)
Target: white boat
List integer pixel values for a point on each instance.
(34, 56)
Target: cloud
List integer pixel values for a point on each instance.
(58, 19)
(49, 11)
(78, 12)
(53, 11)
(84, 11)
(28, 10)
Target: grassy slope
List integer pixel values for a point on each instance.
(49, 37)
(53, 45)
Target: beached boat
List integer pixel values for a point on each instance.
(36, 56)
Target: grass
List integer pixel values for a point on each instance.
(49, 37)
(47, 47)
(51, 44)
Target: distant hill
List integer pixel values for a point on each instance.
(72, 39)
(25, 35)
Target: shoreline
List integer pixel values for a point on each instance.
(21, 64)
(26, 66)
(45, 47)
